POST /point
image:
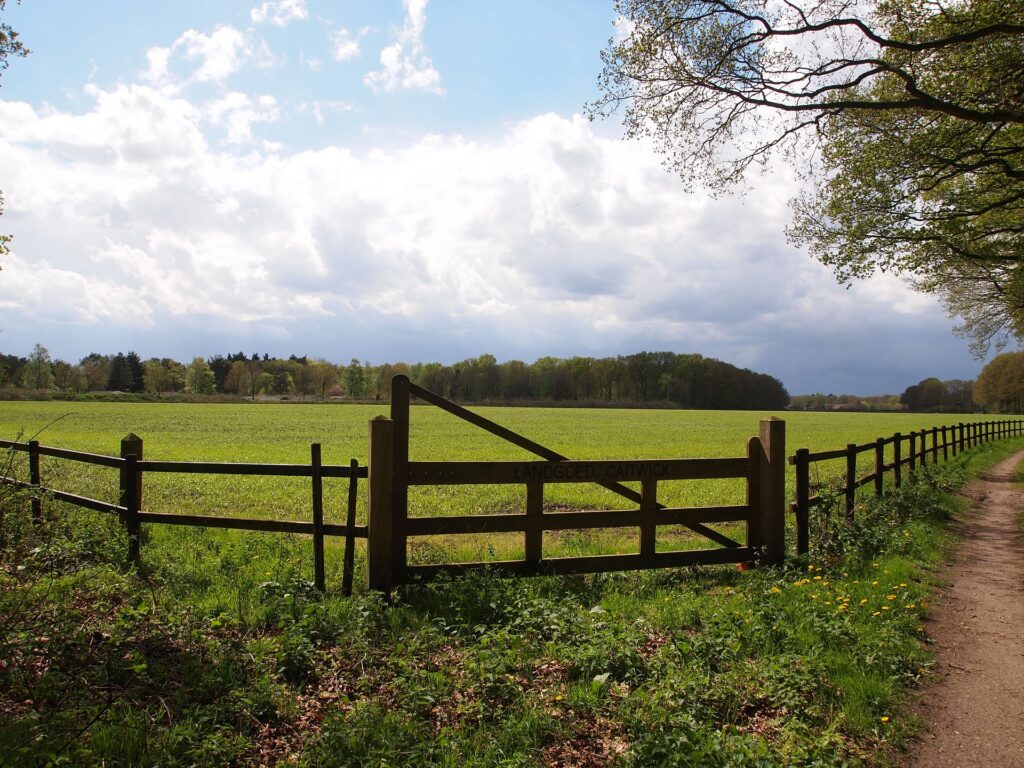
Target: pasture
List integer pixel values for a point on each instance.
(283, 433)
(221, 653)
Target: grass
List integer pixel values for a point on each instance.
(220, 653)
(282, 433)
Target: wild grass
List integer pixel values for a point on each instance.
(282, 434)
(220, 653)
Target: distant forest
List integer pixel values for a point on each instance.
(644, 378)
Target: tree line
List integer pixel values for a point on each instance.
(683, 380)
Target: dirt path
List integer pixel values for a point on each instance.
(974, 712)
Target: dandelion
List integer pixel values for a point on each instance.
(909, 605)
(817, 578)
(885, 607)
(902, 584)
(558, 697)
(877, 613)
(863, 601)
(810, 567)
(890, 597)
(884, 718)
(775, 590)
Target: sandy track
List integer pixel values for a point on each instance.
(974, 711)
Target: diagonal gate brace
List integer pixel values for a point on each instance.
(546, 453)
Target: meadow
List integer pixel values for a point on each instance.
(283, 432)
(218, 651)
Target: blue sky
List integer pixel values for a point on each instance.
(394, 181)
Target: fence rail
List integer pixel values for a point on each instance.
(390, 474)
(949, 440)
(133, 468)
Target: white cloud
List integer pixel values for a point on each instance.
(219, 54)
(346, 45)
(236, 112)
(280, 13)
(215, 57)
(403, 63)
(547, 239)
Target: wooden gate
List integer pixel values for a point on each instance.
(391, 473)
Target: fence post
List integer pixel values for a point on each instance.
(879, 465)
(945, 445)
(935, 445)
(897, 460)
(648, 519)
(400, 396)
(379, 574)
(130, 496)
(851, 479)
(803, 495)
(912, 456)
(35, 478)
(534, 536)
(350, 524)
(316, 474)
(770, 516)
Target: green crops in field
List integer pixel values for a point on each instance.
(283, 433)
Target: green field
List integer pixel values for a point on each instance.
(218, 651)
(283, 433)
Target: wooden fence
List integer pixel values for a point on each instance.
(132, 469)
(946, 441)
(392, 473)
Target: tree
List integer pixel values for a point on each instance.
(321, 375)
(95, 368)
(119, 378)
(37, 373)
(1000, 386)
(63, 375)
(163, 375)
(199, 379)
(927, 395)
(355, 379)
(915, 111)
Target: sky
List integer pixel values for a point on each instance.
(395, 180)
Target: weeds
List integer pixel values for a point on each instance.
(222, 653)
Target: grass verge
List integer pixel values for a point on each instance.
(220, 653)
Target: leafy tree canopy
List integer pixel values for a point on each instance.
(906, 118)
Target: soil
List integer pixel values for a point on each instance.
(974, 709)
